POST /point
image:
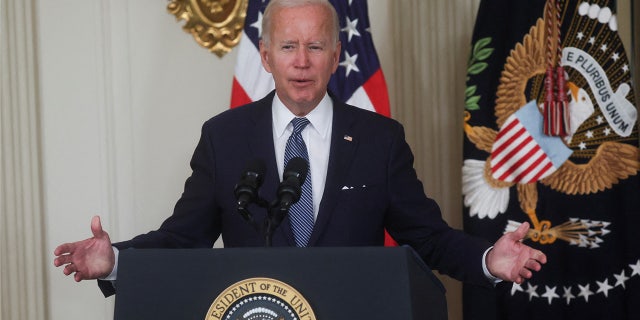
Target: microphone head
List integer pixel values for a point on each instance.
(296, 168)
(246, 190)
(255, 169)
(293, 178)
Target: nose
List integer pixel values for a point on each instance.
(302, 58)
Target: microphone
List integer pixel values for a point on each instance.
(246, 191)
(293, 177)
(289, 192)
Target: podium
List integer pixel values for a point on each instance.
(337, 283)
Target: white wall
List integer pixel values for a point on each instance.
(124, 92)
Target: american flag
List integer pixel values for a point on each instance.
(359, 80)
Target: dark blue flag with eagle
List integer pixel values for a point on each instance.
(551, 138)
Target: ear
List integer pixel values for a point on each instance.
(264, 57)
(336, 56)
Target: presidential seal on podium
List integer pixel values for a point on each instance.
(260, 298)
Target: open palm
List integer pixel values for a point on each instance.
(91, 258)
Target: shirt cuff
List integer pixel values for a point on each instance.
(114, 272)
(493, 279)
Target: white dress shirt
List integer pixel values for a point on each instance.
(317, 137)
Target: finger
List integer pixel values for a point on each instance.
(96, 226)
(540, 257)
(525, 273)
(533, 265)
(63, 249)
(69, 269)
(64, 259)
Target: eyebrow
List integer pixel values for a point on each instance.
(305, 43)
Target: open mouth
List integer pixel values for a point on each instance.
(301, 82)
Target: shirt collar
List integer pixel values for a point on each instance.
(320, 117)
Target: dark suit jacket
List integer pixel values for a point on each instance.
(375, 165)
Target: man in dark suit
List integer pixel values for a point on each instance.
(361, 178)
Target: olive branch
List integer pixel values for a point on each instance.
(476, 65)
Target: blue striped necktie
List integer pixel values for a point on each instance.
(301, 212)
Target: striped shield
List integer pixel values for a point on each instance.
(522, 153)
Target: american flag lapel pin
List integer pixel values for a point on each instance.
(348, 137)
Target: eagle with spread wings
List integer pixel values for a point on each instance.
(600, 158)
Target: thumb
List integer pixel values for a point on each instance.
(521, 232)
(96, 227)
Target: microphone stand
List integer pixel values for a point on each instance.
(246, 214)
(288, 192)
(275, 215)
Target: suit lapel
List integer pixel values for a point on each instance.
(260, 139)
(344, 143)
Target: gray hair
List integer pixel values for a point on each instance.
(278, 4)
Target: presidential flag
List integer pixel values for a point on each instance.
(359, 80)
(551, 138)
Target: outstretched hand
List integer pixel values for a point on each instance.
(91, 258)
(511, 260)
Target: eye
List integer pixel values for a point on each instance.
(287, 47)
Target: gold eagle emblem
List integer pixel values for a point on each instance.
(600, 159)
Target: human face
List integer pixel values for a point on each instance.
(301, 55)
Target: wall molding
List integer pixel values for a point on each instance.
(22, 258)
(115, 120)
(120, 122)
(114, 115)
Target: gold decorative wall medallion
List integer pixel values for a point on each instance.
(215, 24)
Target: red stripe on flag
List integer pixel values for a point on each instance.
(544, 170)
(524, 159)
(506, 144)
(509, 156)
(506, 129)
(376, 89)
(388, 240)
(513, 152)
(533, 165)
(238, 95)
